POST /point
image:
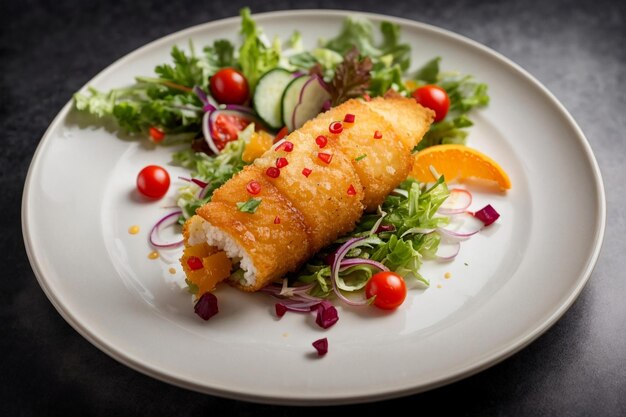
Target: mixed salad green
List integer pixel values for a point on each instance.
(175, 101)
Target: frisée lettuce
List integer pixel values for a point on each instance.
(395, 243)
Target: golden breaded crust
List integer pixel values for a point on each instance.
(377, 154)
(411, 120)
(323, 197)
(317, 208)
(275, 246)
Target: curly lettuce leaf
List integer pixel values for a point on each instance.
(256, 54)
(185, 70)
(351, 79)
(390, 58)
(214, 170)
(400, 249)
(465, 94)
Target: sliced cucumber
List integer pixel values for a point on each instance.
(268, 95)
(291, 98)
(312, 98)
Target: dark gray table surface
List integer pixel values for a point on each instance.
(49, 49)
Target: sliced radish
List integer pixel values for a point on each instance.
(313, 95)
(291, 98)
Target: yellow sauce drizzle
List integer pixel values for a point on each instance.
(438, 285)
(172, 271)
(133, 230)
(153, 255)
(447, 275)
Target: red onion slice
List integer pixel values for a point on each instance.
(196, 181)
(242, 112)
(462, 226)
(239, 108)
(346, 263)
(457, 202)
(334, 270)
(208, 104)
(166, 221)
(448, 251)
(418, 230)
(206, 131)
(203, 192)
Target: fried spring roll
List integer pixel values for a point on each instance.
(324, 184)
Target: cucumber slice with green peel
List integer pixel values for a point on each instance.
(313, 96)
(267, 99)
(291, 98)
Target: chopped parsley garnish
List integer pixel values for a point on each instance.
(249, 206)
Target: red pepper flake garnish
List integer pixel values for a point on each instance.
(272, 172)
(253, 187)
(321, 141)
(321, 346)
(285, 146)
(156, 135)
(281, 162)
(276, 220)
(349, 118)
(367, 97)
(351, 190)
(306, 172)
(326, 157)
(194, 263)
(336, 127)
(378, 134)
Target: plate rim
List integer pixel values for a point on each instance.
(503, 352)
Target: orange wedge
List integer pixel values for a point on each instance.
(457, 162)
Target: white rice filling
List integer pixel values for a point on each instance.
(201, 231)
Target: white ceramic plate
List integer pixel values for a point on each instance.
(507, 286)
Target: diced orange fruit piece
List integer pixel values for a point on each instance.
(216, 268)
(259, 142)
(457, 162)
(201, 251)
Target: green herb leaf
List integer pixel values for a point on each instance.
(360, 157)
(221, 54)
(185, 70)
(429, 72)
(249, 206)
(191, 287)
(256, 55)
(214, 170)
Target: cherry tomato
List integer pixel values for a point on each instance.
(157, 135)
(281, 134)
(153, 181)
(229, 86)
(226, 128)
(389, 289)
(435, 98)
